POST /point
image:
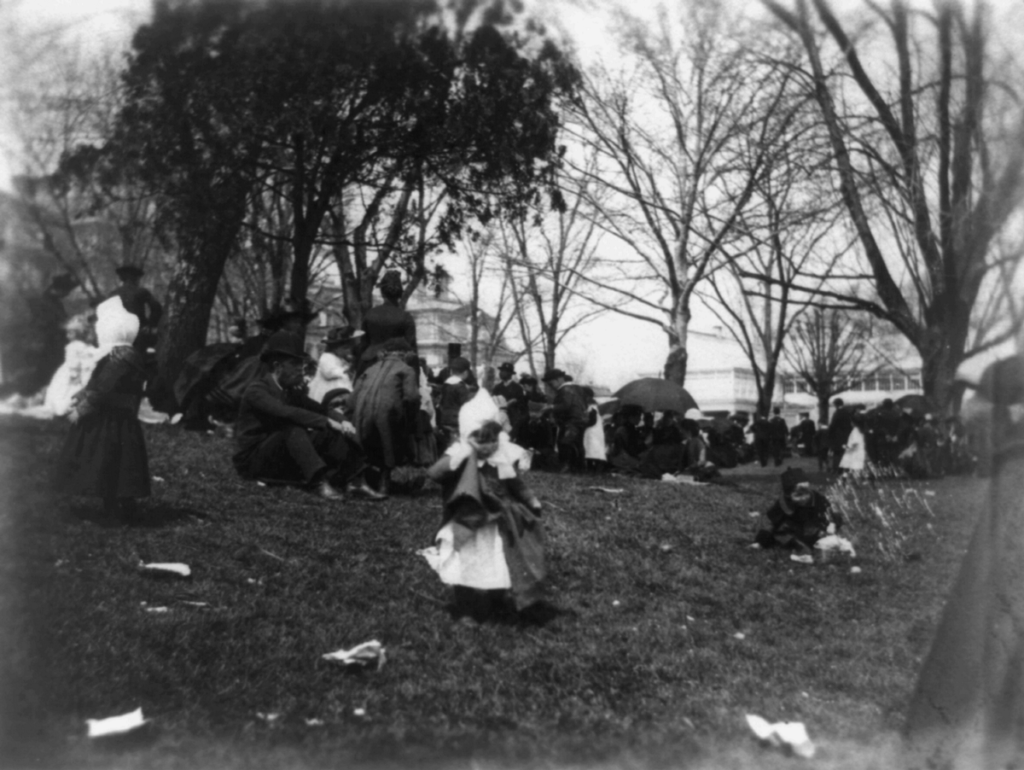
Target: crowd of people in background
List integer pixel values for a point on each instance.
(368, 404)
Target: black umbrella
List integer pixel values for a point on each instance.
(654, 395)
(199, 366)
(915, 402)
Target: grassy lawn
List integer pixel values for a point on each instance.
(670, 628)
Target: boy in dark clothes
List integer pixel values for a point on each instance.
(800, 517)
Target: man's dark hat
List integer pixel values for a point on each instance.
(554, 374)
(283, 344)
(129, 271)
(341, 335)
(507, 367)
(791, 477)
(64, 283)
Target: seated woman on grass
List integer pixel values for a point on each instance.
(800, 517)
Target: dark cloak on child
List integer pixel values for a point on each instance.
(474, 497)
(795, 525)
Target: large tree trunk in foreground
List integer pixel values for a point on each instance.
(186, 319)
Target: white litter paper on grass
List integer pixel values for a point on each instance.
(167, 568)
(607, 490)
(836, 543)
(363, 655)
(792, 735)
(100, 728)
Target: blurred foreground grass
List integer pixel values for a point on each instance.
(670, 629)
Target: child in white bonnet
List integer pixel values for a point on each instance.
(490, 547)
(104, 454)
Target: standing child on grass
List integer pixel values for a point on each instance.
(595, 449)
(490, 547)
(104, 454)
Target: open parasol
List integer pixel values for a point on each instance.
(655, 395)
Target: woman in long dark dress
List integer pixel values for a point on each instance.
(104, 454)
(386, 399)
(385, 322)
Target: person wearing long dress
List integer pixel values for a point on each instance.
(386, 401)
(855, 453)
(385, 322)
(104, 454)
(595, 450)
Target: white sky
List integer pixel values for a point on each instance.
(611, 349)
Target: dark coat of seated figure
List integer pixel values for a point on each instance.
(284, 436)
(800, 517)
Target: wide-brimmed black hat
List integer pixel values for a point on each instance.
(554, 374)
(129, 271)
(64, 283)
(282, 344)
(341, 335)
(507, 367)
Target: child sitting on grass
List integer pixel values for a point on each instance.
(490, 547)
(104, 454)
(800, 517)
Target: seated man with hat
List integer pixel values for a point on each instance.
(284, 436)
(569, 409)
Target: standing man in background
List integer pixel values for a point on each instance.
(140, 302)
(570, 412)
(778, 436)
(515, 399)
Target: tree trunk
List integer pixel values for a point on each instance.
(675, 364)
(764, 397)
(186, 320)
(938, 368)
(823, 407)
